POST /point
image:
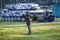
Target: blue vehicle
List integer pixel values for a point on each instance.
(42, 15)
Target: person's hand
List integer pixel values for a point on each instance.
(30, 19)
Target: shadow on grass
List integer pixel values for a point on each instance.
(53, 37)
(33, 37)
(39, 35)
(43, 32)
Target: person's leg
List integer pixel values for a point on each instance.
(29, 29)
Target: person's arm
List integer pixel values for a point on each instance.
(31, 16)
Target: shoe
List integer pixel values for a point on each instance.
(29, 33)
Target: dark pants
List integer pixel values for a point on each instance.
(28, 25)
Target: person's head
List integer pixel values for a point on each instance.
(4, 11)
(26, 13)
(50, 12)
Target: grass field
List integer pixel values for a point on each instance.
(13, 30)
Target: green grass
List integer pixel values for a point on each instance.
(13, 30)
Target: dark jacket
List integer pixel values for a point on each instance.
(27, 19)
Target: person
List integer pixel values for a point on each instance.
(51, 17)
(46, 16)
(28, 22)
